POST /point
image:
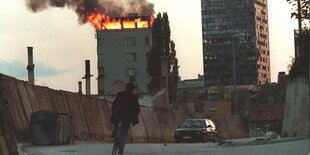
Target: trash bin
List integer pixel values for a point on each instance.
(51, 128)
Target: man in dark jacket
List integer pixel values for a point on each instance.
(125, 110)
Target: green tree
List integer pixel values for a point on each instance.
(174, 74)
(272, 90)
(153, 56)
(162, 46)
(166, 33)
(300, 65)
(304, 8)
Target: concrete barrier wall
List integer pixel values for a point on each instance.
(104, 115)
(235, 127)
(151, 124)
(7, 140)
(32, 97)
(180, 116)
(167, 123)
(91, 116)
(138, 132)
(59, 101)
(296, 113)
(219, 107)
(43, 98)
(222, 126)
(199, 115)
(24, 99)
(11, 94)
(78, 114)
(4, 150)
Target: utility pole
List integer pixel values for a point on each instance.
(309, 76)
(234, 74)
(299, 26)
(299, 16)
(165, 77)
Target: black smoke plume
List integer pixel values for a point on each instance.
(114, 8)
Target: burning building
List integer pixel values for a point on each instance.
(122, 44)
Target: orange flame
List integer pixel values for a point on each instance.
(104, 22)
(151, 20)
(96, 19)
(141, 23)
(111, 24)
(128, 24)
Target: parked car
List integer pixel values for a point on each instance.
(196, 130)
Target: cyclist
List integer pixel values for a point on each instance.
(125, 110)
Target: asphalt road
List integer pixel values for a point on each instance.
(286, 148)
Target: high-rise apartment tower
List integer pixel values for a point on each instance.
(235, 42)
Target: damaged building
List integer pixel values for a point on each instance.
(235, 42)
(122, 45)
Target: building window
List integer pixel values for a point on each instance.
(261, 43)
(130, 57)
(147, 41)
(263, 36)
(132, 79)
(131, 73)
(130, 41)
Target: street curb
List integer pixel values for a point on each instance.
(21, 149)
(262, 141)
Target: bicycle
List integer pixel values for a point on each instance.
(116, 145)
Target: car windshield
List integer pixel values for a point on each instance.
(193, 124)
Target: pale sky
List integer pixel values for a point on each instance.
(61, 45)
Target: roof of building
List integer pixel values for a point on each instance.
(266, 112)
(194, 83)
(216, 89)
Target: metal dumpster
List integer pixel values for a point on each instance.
(51, 128)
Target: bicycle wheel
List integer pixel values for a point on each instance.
(116, 145)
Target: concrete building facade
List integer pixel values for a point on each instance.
(235, 41)
(195, 86)
(122, 57)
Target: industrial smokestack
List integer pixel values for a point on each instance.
(87, 76)
(30, 66)
(80, 87)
